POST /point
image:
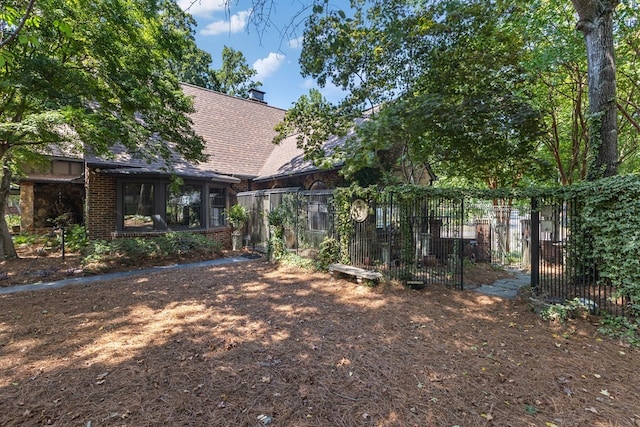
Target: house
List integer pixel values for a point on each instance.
(124, 196)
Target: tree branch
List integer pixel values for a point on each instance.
(20, 25)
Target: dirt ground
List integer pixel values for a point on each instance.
(253, 344)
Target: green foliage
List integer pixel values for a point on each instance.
(276, 249)
(276, 217)
(314, 121)
(132, 251)
(12, 220)
(25, 239)
(235, 76)
(76, 238)
(622, 328)
(96, 69)
(329, 253)
(563, 312)
(237, 216)
(294, 260)
(611, 219)
(447, 82)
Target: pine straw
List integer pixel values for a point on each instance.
(250, 344)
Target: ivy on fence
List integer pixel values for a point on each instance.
(610, 218)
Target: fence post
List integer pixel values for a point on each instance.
(461, 244)
(535, 245)
(389, 227)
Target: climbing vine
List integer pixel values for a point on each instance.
(608, 213)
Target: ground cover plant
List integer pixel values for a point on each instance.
(251, 344)
(40, 257)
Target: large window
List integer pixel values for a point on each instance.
(184, 207)
(139, 207)
(217, 205)
(159, 206)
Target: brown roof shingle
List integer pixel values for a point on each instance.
(237, 132)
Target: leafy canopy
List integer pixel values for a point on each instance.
(87, 74)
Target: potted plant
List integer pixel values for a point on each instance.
(237, 216)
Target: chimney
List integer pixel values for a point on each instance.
(256, 95)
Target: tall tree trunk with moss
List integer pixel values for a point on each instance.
(7, 250)
(596, 23)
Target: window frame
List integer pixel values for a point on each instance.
(225, 206)
(161, 194)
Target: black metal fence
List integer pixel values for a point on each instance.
(428, 240)
(565, 267)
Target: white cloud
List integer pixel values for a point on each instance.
(296, 43)
(236, 24)
(202, 7)
(269, 65)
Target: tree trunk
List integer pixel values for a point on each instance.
(7, 250)
(596, 23)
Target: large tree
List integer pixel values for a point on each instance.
(84, 75)
(575, 136)
(596, 23)
(447, 82)
(234, 77)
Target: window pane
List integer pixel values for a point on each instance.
(138, 206)
(318, 216)
(184, 207)
(217, 204)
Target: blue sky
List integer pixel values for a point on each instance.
(273, 56)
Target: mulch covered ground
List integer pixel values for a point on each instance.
(251, 344)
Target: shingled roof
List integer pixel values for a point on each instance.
(238, 135)
(237, 132)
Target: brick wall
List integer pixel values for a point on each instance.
(101, 205)
(101, 213)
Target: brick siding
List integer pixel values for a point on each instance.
(101, 205)
(101, 213)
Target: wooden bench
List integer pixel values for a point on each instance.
(359, 273)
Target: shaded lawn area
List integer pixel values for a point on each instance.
(252, 344)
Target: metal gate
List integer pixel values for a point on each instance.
(429, 240)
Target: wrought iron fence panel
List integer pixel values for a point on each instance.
(428, 239)
(417, 241)
(567, 262)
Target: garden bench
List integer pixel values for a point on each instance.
(359, 273)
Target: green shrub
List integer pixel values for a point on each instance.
(563, 312)
(295, 260)
(25, 239)
(12, 220)
(76, 238)
(275, 246)
(329, 252)
(622, 328)
(276, 217)
(237, 216)
(131, 251)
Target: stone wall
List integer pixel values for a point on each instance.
(26, 206)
